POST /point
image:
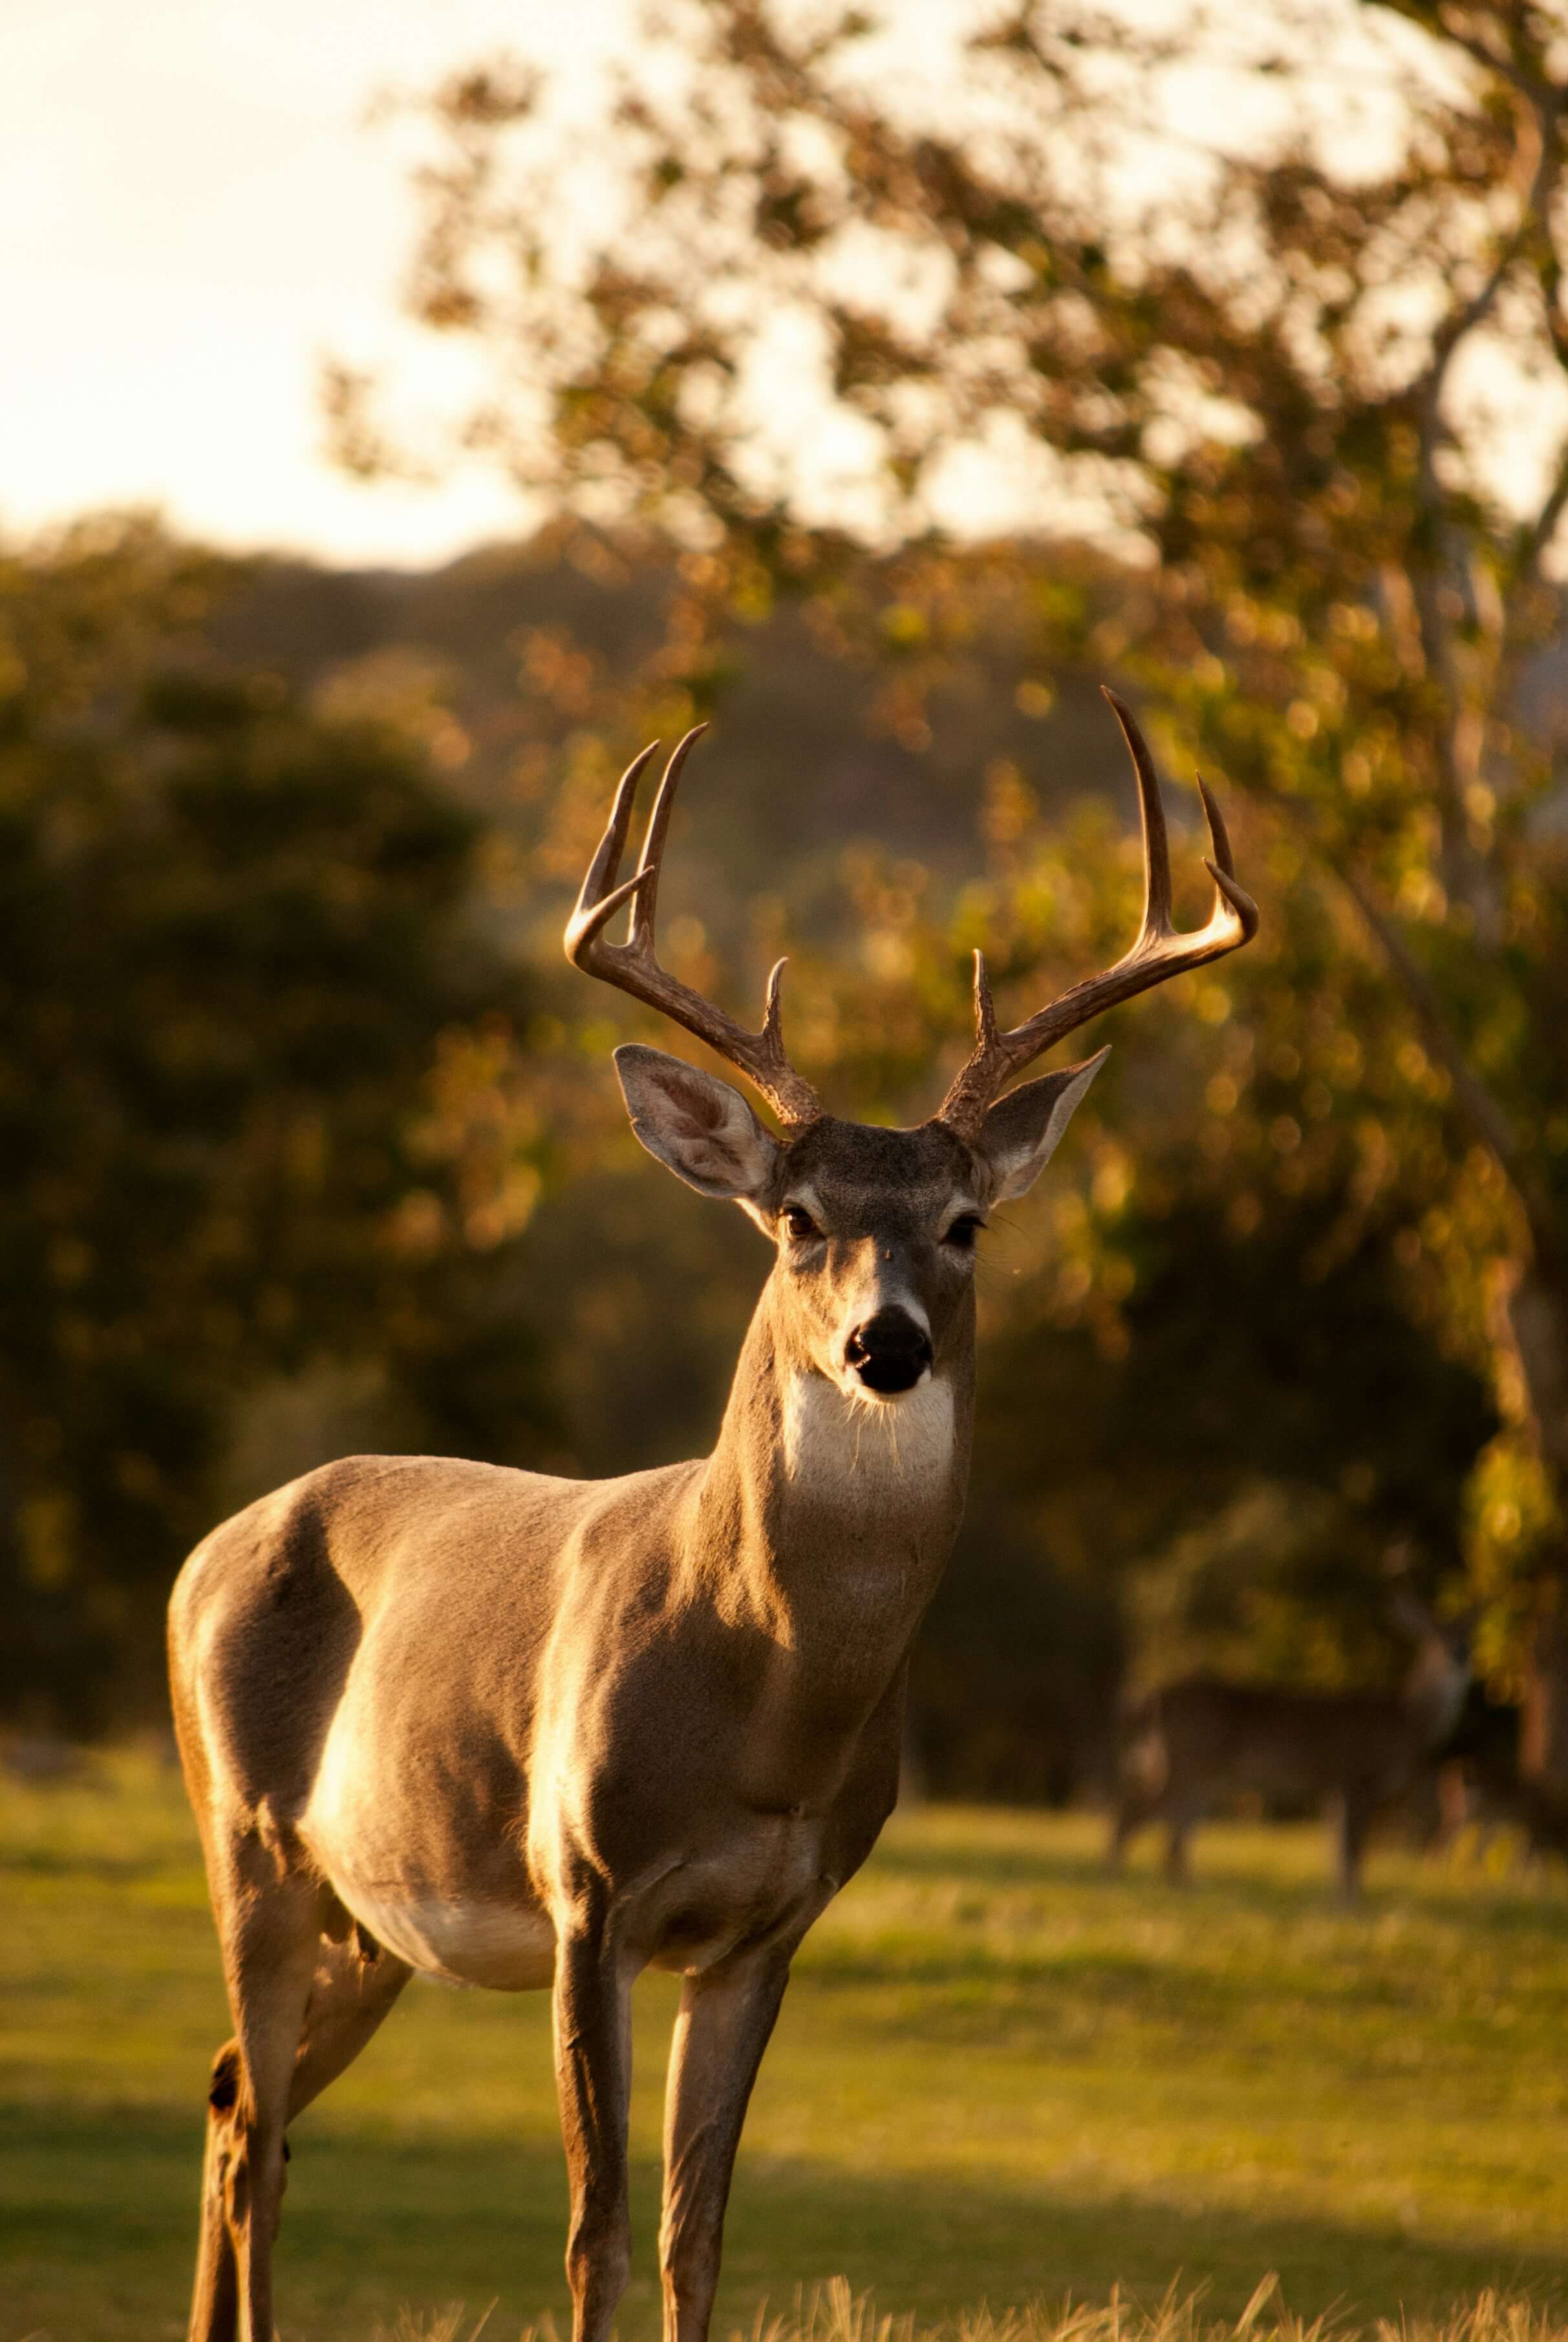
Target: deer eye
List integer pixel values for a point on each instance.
(961, 1236)
(800, 1224)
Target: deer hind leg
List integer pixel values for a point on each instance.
(1181, 1816)
(349, 1996)
(1352, 1825)
(355, 1985)
(215, 2301)
(725, 2019)
(1137, 1804)
(269, 1928)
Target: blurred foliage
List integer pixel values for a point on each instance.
(322, 1135)
(1184, 1312)
(1275, 311)
(312, 1138)
(235, 958)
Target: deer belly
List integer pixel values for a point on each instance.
(509, 1946)
(424, 1876)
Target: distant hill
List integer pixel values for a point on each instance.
(798, 772)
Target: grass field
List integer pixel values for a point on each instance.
(999, 2076)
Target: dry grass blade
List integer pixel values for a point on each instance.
(446, 2325)
(832, 2312)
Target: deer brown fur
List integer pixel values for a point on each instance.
(529, 1732)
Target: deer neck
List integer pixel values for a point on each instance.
(1435, 1691)
(828, 1520)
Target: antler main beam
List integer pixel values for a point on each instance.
(1160, 951)
(634, 965)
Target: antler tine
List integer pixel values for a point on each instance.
(772, 1008)
(1160, 951)
(1158, 921)
(645, 904)
(1221, 868)
(1219, 835)
(984, 1007)
(599, 897)
(633, 968)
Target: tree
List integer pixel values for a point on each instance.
(233, 933)
(1283, 307)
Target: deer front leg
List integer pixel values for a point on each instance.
(1357, 1812)
(725, 2019)
(592, 2011)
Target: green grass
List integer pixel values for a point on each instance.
(999, 2076)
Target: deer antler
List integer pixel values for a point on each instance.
(1159, 952)
(633, 964)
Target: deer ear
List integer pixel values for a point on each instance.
(1021, 1132)
(696, 1125)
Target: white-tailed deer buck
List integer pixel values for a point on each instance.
(527, 1732)
(1192, 1745)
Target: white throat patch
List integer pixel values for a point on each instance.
(874, 1450)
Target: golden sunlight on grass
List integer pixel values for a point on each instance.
(1001, 2076)
(833, 2312)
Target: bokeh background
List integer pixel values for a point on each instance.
(407, 411)
(875, 393)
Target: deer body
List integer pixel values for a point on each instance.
(750, 1612)
(1195, 1742)
(526, 1732)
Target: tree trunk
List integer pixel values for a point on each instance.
(1530, 1332)
(1529, 1329)
(1544, 1735)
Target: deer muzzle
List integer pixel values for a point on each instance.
(889, 1353)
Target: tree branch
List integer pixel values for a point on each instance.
(1540, 114)
(1486, 1116)
(1450, 337)
(1543, 528)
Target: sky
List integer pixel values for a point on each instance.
(193, 214)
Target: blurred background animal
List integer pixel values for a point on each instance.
(1202, 1742)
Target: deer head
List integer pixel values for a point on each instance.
(874, 1228)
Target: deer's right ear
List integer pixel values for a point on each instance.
(696, 1125)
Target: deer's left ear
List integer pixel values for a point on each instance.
(1021, 1132)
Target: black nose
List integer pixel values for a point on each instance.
(890, 1352)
